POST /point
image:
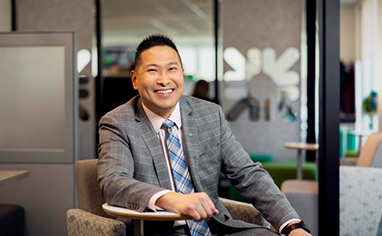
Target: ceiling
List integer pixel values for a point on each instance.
(127, 22)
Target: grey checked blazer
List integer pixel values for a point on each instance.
(132, 168)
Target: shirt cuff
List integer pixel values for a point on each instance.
(154, 199)
(286, 223)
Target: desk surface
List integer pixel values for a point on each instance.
(10, 176)
(135, 215)
(302, 146)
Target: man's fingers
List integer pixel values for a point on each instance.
(195, 215)
(208, 209)
(204, 208)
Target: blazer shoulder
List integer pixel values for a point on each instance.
(125, 112)
(198, 104)
(201, 110)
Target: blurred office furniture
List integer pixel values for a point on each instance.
(10, 176)
(279, 171)
(303, 195)
(300, 147)
(347, 143)
(12, 220)
(12, 217)
(360, 201)
(360, 134)
(369, 153)
(138, 218)
(91, 219)
(261, 157)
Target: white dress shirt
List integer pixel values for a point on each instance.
(156, 122)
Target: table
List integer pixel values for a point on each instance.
(139, 217)
(10, 176)
(300, 147)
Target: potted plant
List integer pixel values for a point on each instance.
(369, 106)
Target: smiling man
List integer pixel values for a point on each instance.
(163, 150)
(159, 79)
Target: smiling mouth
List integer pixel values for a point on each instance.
(164, 91)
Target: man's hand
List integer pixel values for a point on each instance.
(299, 232)
(196, 205)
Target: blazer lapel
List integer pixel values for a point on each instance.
(190, 135)
(152, 143)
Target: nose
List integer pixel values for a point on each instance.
(163, 79)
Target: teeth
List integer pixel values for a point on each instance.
(165, 91)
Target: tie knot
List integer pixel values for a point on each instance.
(168, 125)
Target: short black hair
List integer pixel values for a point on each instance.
(152, 41)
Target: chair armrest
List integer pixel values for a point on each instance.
(81, 222)
(244, 211)
(348, 161)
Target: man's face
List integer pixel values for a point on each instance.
(159, 79)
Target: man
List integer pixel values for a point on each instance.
(163, 150)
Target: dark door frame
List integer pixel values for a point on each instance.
(329, 117)
(311, 17)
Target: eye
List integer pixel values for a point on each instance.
(172, 68)
(151, 70)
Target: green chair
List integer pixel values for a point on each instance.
(351, 153)
(281, 171)
(261, 157)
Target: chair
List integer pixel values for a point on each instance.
(12, 220)
(303, 194)
(370, 149)
(360, 201)
(90, 219)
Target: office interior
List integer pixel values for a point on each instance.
(263, 61)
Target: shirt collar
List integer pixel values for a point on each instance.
(157, 121)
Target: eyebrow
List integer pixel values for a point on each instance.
(173, 63)
(168, 64)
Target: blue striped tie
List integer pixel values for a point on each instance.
(181, 174)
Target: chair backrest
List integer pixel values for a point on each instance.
(360, 200)
(371, 152)
(89, 194)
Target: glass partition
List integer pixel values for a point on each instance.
(38, 97)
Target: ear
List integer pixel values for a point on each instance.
(134, 78)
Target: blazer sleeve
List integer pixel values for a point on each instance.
(251, 180)
(116, 168)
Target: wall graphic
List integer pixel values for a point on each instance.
(249, 69)
(261, 87)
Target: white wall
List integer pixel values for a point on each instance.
(5, 16)
(348, 34)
